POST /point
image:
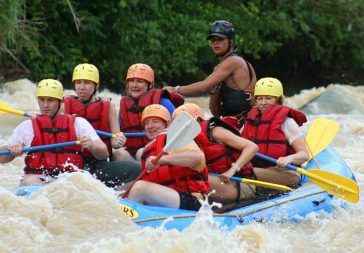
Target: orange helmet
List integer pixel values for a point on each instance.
(156, 110)
(194, 110)
(141, 71)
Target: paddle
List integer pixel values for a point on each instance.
(257, 183)
(4, 108)
(43, 147)
(181, 132)
(335, 184)
(320, 135)
(110, 135)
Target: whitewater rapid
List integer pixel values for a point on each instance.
(79, 214)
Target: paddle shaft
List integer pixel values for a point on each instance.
(110, 135)
(14, 111)
(256, 182)
(43, 147)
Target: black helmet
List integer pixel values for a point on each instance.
(221, 28)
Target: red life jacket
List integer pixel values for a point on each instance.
(219, 157)
(96, 113)
(179, 178)
(131, 114)
(265, 129)
(53, 162)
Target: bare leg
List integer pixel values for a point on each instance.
(224, 192)
(277, 176)
(152, 194)
(30, 180)
(121, 155)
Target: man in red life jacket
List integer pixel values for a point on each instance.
(52, 127)
(156, 119)
(178, 179)
(232, 82)
(275, 129)
(141, 92)
(226, 153)
(101, 114)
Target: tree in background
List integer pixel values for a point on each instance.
(306, 41)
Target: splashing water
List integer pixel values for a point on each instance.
(79, 214)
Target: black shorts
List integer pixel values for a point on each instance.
(188, 201)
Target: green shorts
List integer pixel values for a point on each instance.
(245, 191)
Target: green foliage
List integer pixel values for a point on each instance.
(305, 38)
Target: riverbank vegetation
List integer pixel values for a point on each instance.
(301, 42)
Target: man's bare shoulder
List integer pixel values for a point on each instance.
(234, 60)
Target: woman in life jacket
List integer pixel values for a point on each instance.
(101, 113)
(179, 178)
(275, 128)
(141, 93)
(226, 153)
(232, 82)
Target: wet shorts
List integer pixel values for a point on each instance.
(188, 201)
(245, 191)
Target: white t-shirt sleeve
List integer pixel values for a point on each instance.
(291, 130)
(22, 134)
(84, 128)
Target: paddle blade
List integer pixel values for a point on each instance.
(320, 135)
(337, 185)
(182, 131)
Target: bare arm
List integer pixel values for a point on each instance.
(223, 71)
(113, 119)
(299, 157)
(248, 149)
(15, 150)
(190, 158)
(97, 147)
(120, 138)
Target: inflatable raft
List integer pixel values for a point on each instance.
(289, 206)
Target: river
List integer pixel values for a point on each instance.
(79, 214)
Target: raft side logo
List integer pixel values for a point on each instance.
(129, 211)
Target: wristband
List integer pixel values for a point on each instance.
(176, 88)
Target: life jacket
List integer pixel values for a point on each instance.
(219, 157)
(55, 161)
(265, 129)
(96, 113)
(179, 178)
(233, 101)
(131, 114)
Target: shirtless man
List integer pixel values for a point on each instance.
(233, 80)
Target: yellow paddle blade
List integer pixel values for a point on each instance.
(337, 185)
(4, 108)
(266, 184)
(320, 135)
